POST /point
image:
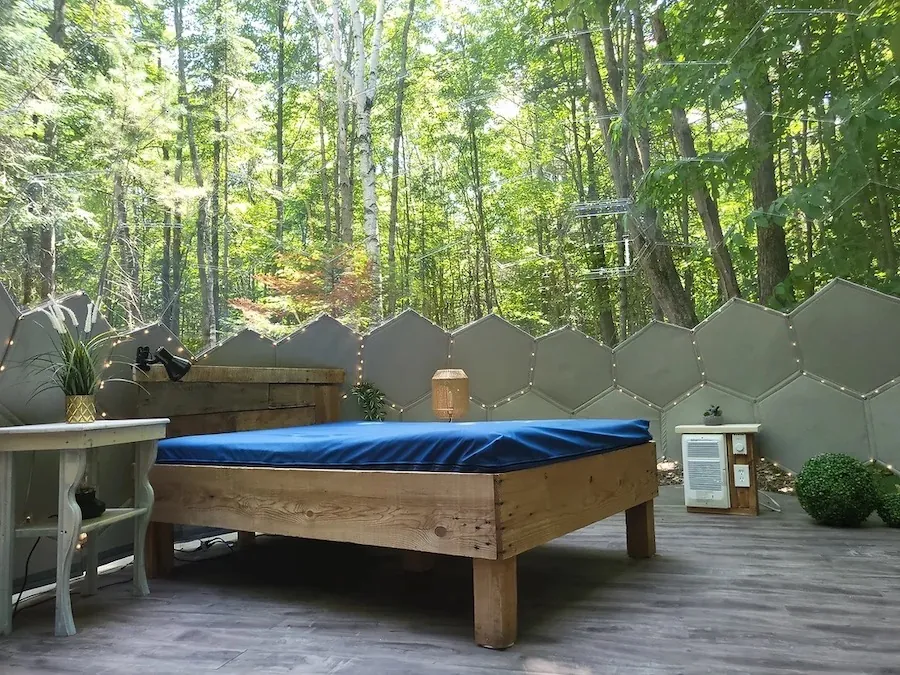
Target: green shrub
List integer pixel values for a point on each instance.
(889, 508)
(836, 489)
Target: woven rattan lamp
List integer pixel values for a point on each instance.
(450, 394)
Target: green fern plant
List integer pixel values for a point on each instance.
(371, 401)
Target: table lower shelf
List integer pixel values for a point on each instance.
(49, 528)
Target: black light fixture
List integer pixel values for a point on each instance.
(176, 367)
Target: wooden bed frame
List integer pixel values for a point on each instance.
(490, 518)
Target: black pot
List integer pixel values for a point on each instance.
(91, 507)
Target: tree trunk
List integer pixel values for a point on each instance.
(366, 81)
(395, 164)
(342, 151)
(656, 258)
(703, 201)
(772, 264)
(57, 32)
(323, 154)
(207, 315)
(165, 276)
(174, 324)
(279, 136)
(127, 258)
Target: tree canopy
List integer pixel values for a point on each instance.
(217, 163)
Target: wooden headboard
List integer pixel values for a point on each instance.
(216, 399)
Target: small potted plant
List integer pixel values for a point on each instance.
(371, 401)
(713, 416)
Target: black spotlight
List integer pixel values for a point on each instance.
(176, 367)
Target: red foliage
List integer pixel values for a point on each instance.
(309, 283)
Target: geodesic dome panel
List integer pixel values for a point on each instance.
(618, 405)
(402, 355)
(495, 355)
(528, 406)
(884, 408)
(322, 343)
(245, 348)
(848, 334)
(571, 368)
(658, 363)
(746, 348)
(806, 417)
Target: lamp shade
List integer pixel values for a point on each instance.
(450, 394)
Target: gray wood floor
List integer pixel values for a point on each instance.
(775, 594)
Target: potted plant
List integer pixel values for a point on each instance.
(75, 365)
(371, 401)
(713, 415)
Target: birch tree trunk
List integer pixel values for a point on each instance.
(395, 165)
(343, 155)
(279, 135)
(365, 84)
(323, 154)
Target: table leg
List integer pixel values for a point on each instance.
(496, 602)
(7, 539)
(91, 549)
(71, 468)
(145, 456)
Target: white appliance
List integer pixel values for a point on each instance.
(705, 463)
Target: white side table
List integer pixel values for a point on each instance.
(73, 441)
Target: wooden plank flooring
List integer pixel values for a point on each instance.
(725, 594)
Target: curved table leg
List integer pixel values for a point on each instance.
(71, 468)
(7, 539)
(145, 456)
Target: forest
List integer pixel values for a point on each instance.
(215, 164)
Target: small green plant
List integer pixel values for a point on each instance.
(371, 401)
(78, 359)
(889, 508)
(713, 411)
(836, 489)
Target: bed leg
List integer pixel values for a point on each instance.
(160, 549)
(245, 539)
(640, 530)
(496, 602)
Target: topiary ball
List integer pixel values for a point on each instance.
(889, 509)
(836, 489)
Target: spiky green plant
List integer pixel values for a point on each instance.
(76, 362)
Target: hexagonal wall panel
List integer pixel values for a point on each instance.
(246, 348)
(495, 355)
(658, 363)
(690, 411)
(848, 334)
(571, 368)
(746, 348)
(324, 343)
(402, 355)
(886, 426)
(421, 412)
(618, 405)
(9, 314)
(529, 406)
(806, 417)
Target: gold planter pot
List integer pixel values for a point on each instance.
(80, 409)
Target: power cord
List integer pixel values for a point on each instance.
(776, 508)
(205, 545)
(25, 576)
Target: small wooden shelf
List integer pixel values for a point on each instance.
(49, 527)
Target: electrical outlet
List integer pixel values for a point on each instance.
(739, 444)
(741, 475)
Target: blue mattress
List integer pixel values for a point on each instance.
(485, 447)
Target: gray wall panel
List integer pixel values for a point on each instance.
(529, 406)
(246, 348)
(885, 411)
(571, 368)
(323, 343)
(619, 405)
